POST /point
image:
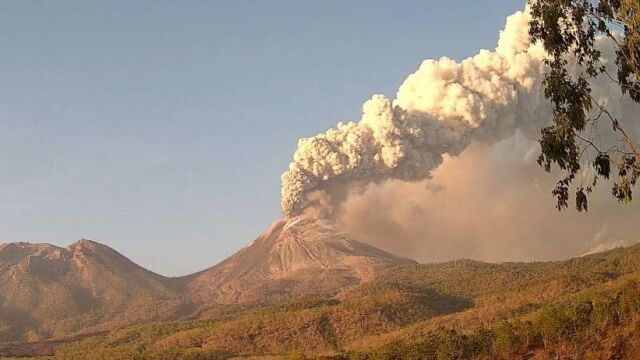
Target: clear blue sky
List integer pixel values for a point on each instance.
(161, 128)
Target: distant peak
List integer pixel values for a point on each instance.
(84, 241)
(306, 221)
(80, 244)
(14, 244)
(27, 245)
(86, 244)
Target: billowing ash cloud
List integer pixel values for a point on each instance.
(490, 203)
(438, 110)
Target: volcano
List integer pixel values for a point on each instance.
(90, 287)
(294, 257)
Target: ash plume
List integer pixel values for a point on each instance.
(439, 110)
(490, 203)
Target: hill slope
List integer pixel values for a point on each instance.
(305, 288)
(47, 291)
(293, 257)
(89, 287)
(587, 307)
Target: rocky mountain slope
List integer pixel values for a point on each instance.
(49, 292)
(583, 308)
(293, 257)
(304, 288)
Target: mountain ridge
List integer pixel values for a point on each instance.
(586, 307)
(87, 286)
(282, 257)
(302, 286)
(90, 287)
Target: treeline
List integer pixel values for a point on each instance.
(580, 322)
(574, 324)
(536, 308)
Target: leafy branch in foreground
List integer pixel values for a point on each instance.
(572, 29)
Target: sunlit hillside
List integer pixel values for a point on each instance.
(456, 310)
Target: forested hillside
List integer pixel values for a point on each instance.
(587, 307)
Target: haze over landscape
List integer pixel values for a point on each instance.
(166, 132)
(420, 225)
(125, 114)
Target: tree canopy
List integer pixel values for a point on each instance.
(570, 29)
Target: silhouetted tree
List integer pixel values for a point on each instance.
(570, 28)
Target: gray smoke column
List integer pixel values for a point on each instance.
(440, 109)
